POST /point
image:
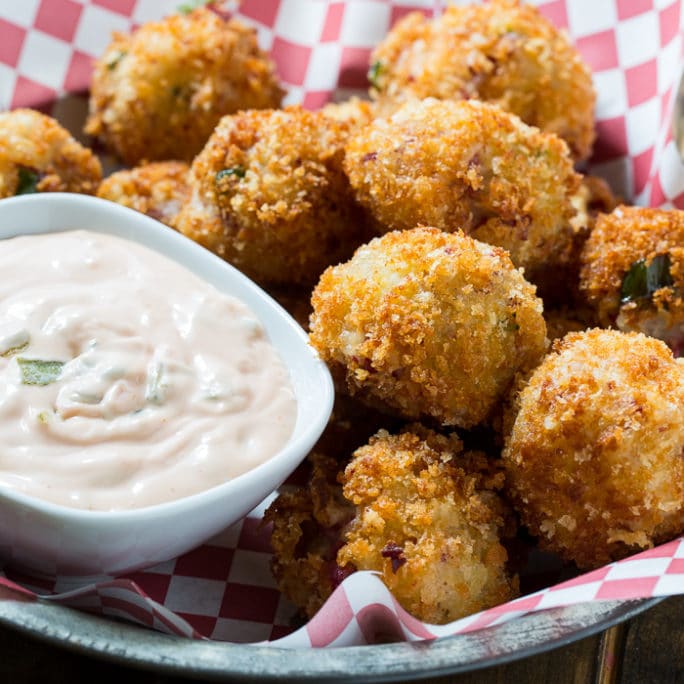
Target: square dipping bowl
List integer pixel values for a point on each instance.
(48, 539)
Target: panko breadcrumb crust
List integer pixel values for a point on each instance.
(502, 51)
(35, 144)
(428, 324)
(559, 287)
(158, 93)
(469, 166)
(355, 112)
(594, 458)
(158, 189)
(619, 240)
(430, 520)
(270, 196)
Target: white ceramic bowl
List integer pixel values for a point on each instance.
(53, 540)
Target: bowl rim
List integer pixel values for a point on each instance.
(162, 239)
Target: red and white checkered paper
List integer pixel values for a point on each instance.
(224, 589)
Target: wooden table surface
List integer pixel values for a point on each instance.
(649, 648)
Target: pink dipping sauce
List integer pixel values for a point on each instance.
(125, 379)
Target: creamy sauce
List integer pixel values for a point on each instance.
(126, 380)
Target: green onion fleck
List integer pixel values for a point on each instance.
(237, 171)
(114, 60)
(28, 181)
(512, 324)
(155, 390)
(642, 280)
(188, 7)
(374, 73)
(38, 371)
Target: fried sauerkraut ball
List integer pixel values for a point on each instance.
(158, 189)
(594, 459)
(39, 155)
(158, 93)
(502, 52)
(633, 272)
(430, 520)
(270, 196)
(429, 324)
(469, 166)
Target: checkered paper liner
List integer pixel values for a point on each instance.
(224, 589)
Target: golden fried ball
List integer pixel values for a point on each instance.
(429, 324)
(158, 93)
(429, 519)
(469, 166)
(270, 196)
(502, 52)
(39, 155)
(158, 189)
(594, 459)
(633, 272)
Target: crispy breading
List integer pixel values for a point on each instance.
(469, 166)
(430, 520)
(594, 458)
(619, 241)
(38, 155)
(593, 197)
(269, 195)
(428, 323)
(502, 51)
(158, 93)
(355, 112)
(158, 189)
(559, 287)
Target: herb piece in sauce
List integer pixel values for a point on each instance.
(28, 181)
(237, 171)
(374, 73)
(642, 280)
(154, 391)
(38, 371)
(44, 417)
